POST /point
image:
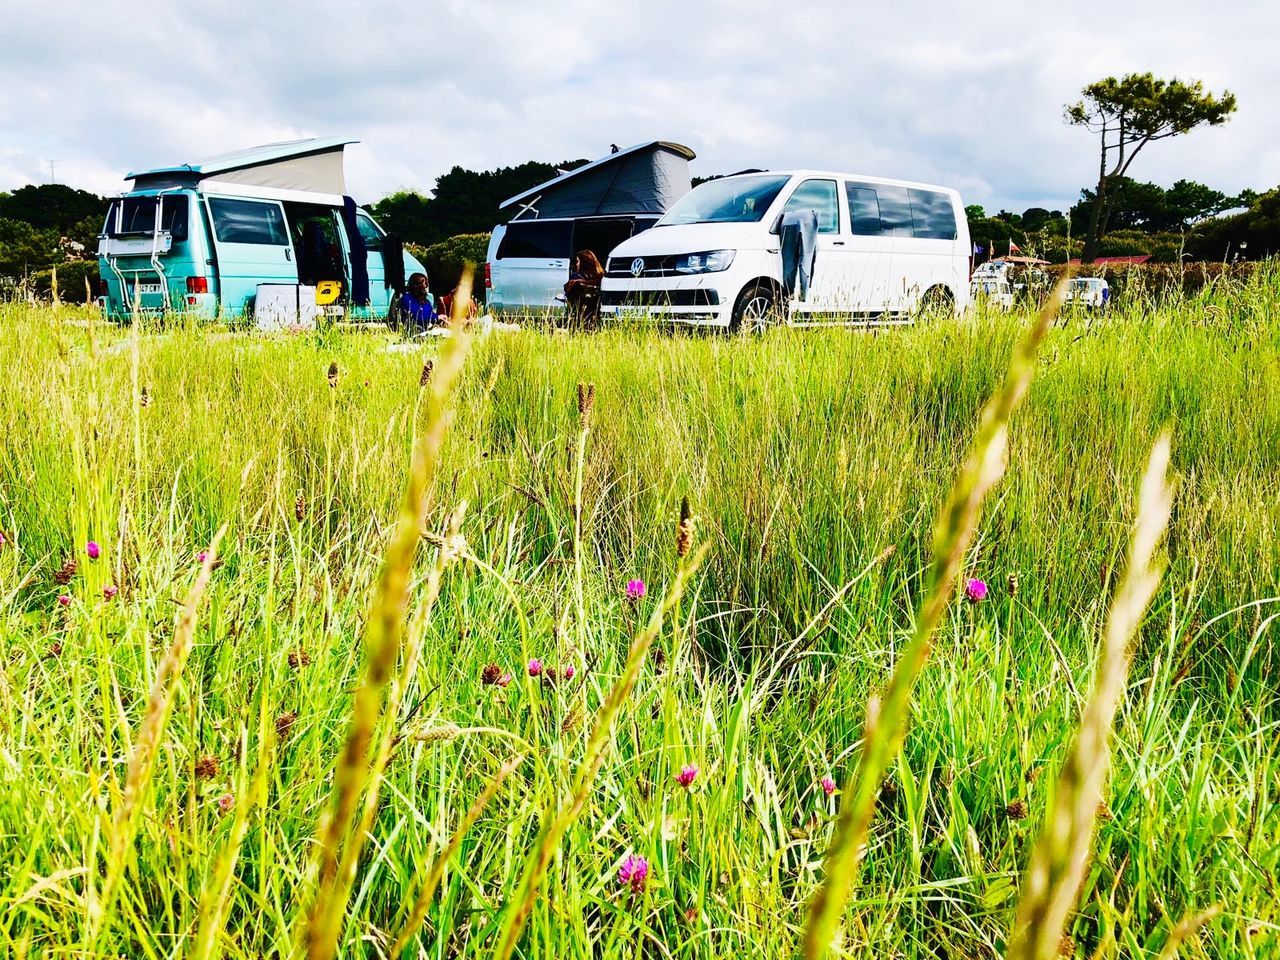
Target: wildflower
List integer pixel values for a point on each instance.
(3, 541)
(688, 773)
(1066, 947)
(299, 658)
(109, 592)
(64, 599)
(634, 873)
(333, 374)
(1017, 810)
(569, 672)
(828, 785)
(300, 508)
(684, 532)
(206, 767)
(975, 591)
(491, 674)
(505, 680)
(225, 803)
(93, 550)
(535, 667)
(64, 574)
(635, 590)
(55, 650)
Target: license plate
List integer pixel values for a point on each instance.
(149, 288)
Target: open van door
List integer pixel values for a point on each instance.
(251, 246)
(374, 240)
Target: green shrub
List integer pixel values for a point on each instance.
(445, 261)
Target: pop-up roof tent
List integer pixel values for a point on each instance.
(646, 178)
(311, 166)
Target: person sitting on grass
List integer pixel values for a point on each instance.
(582, 292)
(416, 308)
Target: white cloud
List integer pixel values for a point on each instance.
(928, 90)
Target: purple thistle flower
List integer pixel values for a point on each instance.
(504, 680)
(569, 672)
(687, 775)
(635, 590)
(535, 667)
(202, 556)
(64, 599)
(634, 873)
(93, 550)
(975, 591)
(828, 786)
(109, 592)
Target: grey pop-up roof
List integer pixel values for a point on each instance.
(646, 178)
(313, 165)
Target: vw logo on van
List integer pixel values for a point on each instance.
(637, 266)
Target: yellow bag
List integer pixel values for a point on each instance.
(327, 292)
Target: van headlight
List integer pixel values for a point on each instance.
(711, 261)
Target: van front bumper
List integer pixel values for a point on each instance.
(659, 299)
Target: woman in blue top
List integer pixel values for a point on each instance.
(416, 307)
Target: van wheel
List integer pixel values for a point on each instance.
(936, 304)
(757, 309)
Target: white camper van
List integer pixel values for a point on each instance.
(876, 251)
(593, 207)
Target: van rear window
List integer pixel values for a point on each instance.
(137, 217)
(534, 240)
(248, 221)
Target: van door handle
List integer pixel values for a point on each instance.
(288, 254)
(837, 243)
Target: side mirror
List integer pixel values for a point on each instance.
(776, 229)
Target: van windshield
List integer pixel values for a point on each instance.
(731, 200)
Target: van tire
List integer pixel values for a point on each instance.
(758, 307)
(936, 304)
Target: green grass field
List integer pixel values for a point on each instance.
(815, 463)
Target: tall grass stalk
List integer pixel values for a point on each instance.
(422, 902)
(338, 844)
(1062, 849)
(886, 721)
(548, 841)
(142, 761)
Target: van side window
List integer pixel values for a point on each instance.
(368, 232)
(932, 215)
(247, 221)
(864, 209)
(895, 211)
(551, 240)
(820, 197)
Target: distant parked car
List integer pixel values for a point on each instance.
(995, 291)
(1092, 293)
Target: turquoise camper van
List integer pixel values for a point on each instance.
(232, 235)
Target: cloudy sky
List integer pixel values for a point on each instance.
(957, 94)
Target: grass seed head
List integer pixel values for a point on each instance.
(144, 398)
(333, 374)
(1016, 810)
(206, 767)
(586, 400)
(299, 658)
(685, 530)
(300, 508)
(66, 572)
(426, 374)
(285, 722)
